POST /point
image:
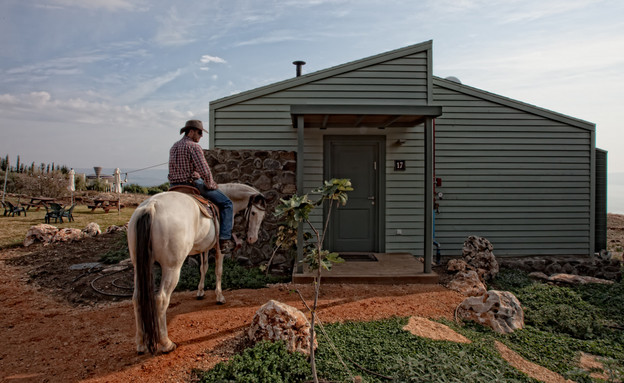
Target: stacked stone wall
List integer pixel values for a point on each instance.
(273, 173)
(588, 266)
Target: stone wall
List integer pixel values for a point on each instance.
(588, 266)
(273, 173)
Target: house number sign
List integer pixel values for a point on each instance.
(399, 165)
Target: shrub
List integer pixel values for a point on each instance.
(119, 253)
(136, 189)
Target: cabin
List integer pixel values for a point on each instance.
(432, 160)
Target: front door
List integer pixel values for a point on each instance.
(356, 226)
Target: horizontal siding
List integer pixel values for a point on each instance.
(516, 178)
(265, 123)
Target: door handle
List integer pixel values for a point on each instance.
(372, 199)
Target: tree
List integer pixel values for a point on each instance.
(297, 211)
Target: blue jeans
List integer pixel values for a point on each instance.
(224, 204)
(225, 208)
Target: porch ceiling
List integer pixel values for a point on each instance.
(358, 116)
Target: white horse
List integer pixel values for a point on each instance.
(166, 228)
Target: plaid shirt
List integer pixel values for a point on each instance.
(187, 163)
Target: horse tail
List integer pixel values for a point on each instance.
(145, 279)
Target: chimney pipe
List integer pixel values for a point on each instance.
(299, 64)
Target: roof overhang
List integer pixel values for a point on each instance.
(363, 116)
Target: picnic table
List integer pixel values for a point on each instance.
(106, 204)
(38, 202)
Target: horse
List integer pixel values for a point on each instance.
(166, 228)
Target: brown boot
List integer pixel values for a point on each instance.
(237, 241)
(226, 245)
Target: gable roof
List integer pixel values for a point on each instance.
(525, 107)
(319, 75)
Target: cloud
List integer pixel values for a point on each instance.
(273, 37)
(145, 88)
(175, 30)
(107, 5)
(205, 59)
(98, 132)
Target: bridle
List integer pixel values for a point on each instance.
(259, 202)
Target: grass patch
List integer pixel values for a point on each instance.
(13, 229)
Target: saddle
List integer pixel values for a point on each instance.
(207, 208)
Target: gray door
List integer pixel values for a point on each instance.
(355, 227)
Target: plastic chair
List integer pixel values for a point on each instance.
(14, 209)
(53, 211)
(67, 213)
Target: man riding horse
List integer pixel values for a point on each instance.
(188, 166)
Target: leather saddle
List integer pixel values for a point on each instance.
(207, 208)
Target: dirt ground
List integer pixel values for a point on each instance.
(64, 322)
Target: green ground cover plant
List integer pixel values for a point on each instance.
(266, 362)
(561, 322)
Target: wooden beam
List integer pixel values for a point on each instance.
(325, 119)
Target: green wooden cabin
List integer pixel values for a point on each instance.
(521, 176)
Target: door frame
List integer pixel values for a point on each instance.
(380, 203)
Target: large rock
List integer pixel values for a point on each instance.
(276, 321)
(499, 310)
(92, 229)
(570, 279)
(68, 235)
(467, 283)
(477, 252)
(40, 233)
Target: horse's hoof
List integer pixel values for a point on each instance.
(219, 303)
(170, 348)
(200, 297)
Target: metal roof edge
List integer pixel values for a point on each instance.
(526, 107)
(321, 74)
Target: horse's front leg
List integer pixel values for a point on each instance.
(203, 269)
(218, 272)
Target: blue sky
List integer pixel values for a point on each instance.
(110, 82)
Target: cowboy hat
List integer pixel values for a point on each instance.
(193, 124)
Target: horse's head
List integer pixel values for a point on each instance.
(254, 215)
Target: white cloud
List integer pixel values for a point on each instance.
(108, 5)
(145, 88)
(205, 59)
(175, 30)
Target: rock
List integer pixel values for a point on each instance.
(499, 310)
(116, 229)
(577, 279)
(467, 283)
(40, 233)
(92, 229)
(68, 235)
(276, 321)
(539, 275)
(477, 252)
(456, 265)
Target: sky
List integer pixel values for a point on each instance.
(111, 82)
